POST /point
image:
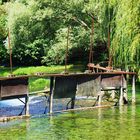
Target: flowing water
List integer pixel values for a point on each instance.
(98, 124)
(115, 123)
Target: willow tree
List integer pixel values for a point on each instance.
(126, 40)
(123, 19)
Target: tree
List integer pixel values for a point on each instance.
(39, 31)
(3, 33)
(126, 38)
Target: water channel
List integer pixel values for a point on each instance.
(115, 123)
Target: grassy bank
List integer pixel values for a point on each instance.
(4, 71)
(36, 84)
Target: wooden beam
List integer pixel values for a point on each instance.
(125, 90)
(41, 92)
(91, 65)
(51, 95)
(72, 102)
(121, 92)
(27, 105)
(70, 74)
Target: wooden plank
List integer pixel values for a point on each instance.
(40, 91)
(85, 108)
(110, 81)
(88, 85)
(13, 87)
(91, 65)
(67, 75)
(65, 87)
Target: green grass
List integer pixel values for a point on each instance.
(45, 69)
(36, 84)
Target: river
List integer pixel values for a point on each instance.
(115, 123)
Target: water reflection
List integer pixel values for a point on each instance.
(117, 123)
(133, 111)
(99, 114)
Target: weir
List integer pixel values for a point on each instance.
(70, 86)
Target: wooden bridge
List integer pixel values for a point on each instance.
(69, 86)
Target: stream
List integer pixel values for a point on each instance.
(115, 123)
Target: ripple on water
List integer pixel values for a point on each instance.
(99, 124)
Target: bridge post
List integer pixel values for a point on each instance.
(27, 105)
(100, 93)
(133, 90)
(125, 96)
(51, 94)
(113, 94)
(121, 92)
(72, 102)
(125, 90)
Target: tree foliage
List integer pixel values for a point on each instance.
(3, 34)
(126, 40)
(38, 30)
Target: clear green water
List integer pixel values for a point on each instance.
(98, 124)
(116, 123)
